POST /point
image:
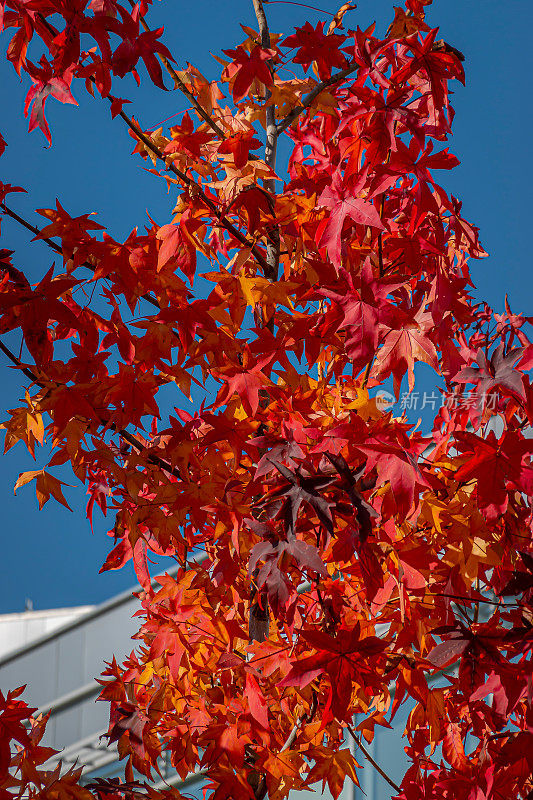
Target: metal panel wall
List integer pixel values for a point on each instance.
(65, 663)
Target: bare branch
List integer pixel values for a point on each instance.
(372, 761)
(273, 243)
(311, 97)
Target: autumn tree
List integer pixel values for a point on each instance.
(335, 563)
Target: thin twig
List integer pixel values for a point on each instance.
(367, 373)
(476, 600)
(15, 360)
(30, 227)
(372, 761)
(311, 97)
(293, 3)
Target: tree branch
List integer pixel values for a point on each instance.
(32, 228)
(199, 192)
(258, 621)
(313, 94)
(371, 760)
(56, 247)
(273, 242)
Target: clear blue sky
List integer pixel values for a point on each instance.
(51, 556)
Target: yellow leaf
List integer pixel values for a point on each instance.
(333, 769)
(26, 477)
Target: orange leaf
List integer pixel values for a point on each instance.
(452, 748)
(45, 486)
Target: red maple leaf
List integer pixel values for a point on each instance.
(493, 462)
(364, 308)
(177, 245)
(403, 347)
(272, 576)
(345, 657)
(32, 310)
(437, 66)
(186, 139)
(254, 201)
(343, 204)
(12, 714)
(45, 85)
(126, 718)
(136, 45)
(246, 68)
(245, 381)
(299, 488)
(496, 371)
(365, 512)
(239, 145)
(315, 45)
